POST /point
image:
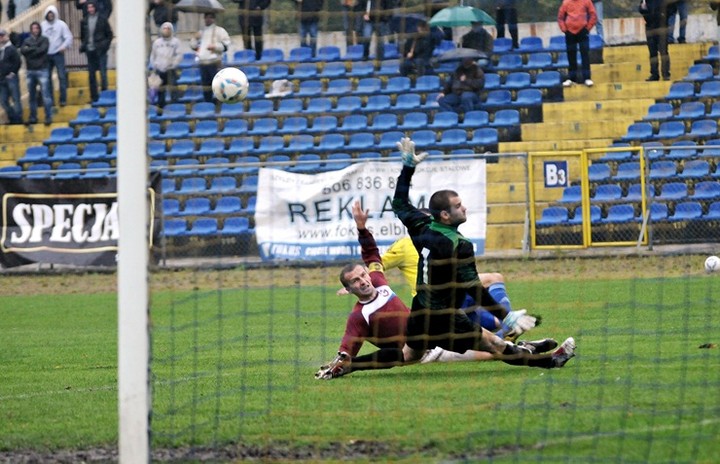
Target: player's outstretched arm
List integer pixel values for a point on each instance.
(410, 216)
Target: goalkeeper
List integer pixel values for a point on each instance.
(447, 275)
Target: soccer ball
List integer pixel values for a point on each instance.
(230, 85)
(712, 264)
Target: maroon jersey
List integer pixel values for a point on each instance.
(380, 321)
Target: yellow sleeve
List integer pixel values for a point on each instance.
(403, 255)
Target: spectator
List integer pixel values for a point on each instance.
(576, 18)
(655, 14)
(715, 6)
(165, 57)
(462, 91)
(677, 8)
(9, 79)
(209, 44)
(35, 51)
(479, 39)
(11, 10)
(506, 13)
(431, 8)
(95, 37)
(309, 12)
(251, 17)
(352, 20)
(163, 11)
(419, 52)
(376, 19)
(102, 7)
(60, 39)
(598, 4)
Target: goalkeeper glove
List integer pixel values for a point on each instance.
(407, 150)
(518, 322)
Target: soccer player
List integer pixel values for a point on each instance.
(380, 317)
(447, 261)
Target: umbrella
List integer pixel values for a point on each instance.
(455, 56)
(460, 16)
(199, 6)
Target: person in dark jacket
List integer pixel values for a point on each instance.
(309, 12)
(9, 80)
(462, 91)
(419, 52)
(11, 10)
(102, 7)
(35, 50)
(506, 13)
(478, 38)
(655, 14)
(95, 36)
(376, 19)
(163, 11)
(251, 15)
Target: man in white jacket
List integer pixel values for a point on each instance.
(60, 38)
(164, 59)
(209, 44)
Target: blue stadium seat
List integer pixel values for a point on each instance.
(397, 85)
(638, 131)
(176, 130)
(242, 57)
(252, 72)
(500, 97)
(617, 156)
(211, 147)
(431, 102)
(595, 215)
(659, 112)
(502, 45)
(378, 103)
(686, 211)
(337, 161)
(96, 151)
(509, 62)
(331, 143)
(60, 135)
(171, 207)
(255, 90)
(86, 116)
(607, 192)
(234, 128)
(240, 146)
(323, 124)
(506, 117)
(634, 192)
(662, 170)
(354, 122)
(68, 170)
(34, 168)
(620, 214)
(407, 102)
(196, 206)
(474, 119)
(307, 163)
(309, 88)
(106, 98)
(300, 143)
(706, 190)
(272, 55)
(289, 106)
(354, 53)
(348, 104)
(530, 44)
(244, 168)
(175, 227)
(304, 71)
(428, 83)
(338, 87)
(444, 120)
(231, 111)
(270, 144)
(389, 139)
(383, 122)
(189, 76)
(360, 69)
(328, 53)
(654, 150)
(690, 110)
(596, 42)
(360, 141)
(172, 112)
(699, 72)
(192, 185)
(627, 171)
(673, 191)
(35, 154)
(452, 138)
(703, 128)
(64, 152)
(713, 213)
(389, 68)
(11, 171)
(390, 51)
(187, 60)
(333, 70)
(205, 128)
(682, 150)
(539, 61)
(202, 110)
(709, 90)
(547, 79)
(319, 105)
(227, 205)
(368, 86)
(264, 126)
(528, 97)
(695, 169)
(300, 54)
(249, 185)
(156, 149)
(294, 125)
(277, 71)
(485, 137)
(556, 44)
(681, 91)
(414, 120)
(185, 167)
(260, 107)
(181, 148)
(235, 226)
(492, 81)
(111, 134)
(571, 194)
(517, 80)
(658, 212)
(191, 95)
(223, 185)
(552, 216)
(599, 172)
(204, 227)
(424, 138)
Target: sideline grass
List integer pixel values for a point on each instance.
(237, 365)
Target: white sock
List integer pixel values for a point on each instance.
(452, 356)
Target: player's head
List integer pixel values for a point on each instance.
(167, 29)
(447, 208)
(356, 279)
(209, 18)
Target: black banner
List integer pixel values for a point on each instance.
(62, 221)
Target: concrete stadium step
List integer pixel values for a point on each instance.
(639, 53)
(553, 145)
(617, 91)
(591, 110)
(80, 78)
(588, 129)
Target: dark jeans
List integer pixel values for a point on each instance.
(57, 61)
(207, 72)
(252, 28)
(657, 46)
(34, 78)
(467, 101)
(10, 90)
(678, 8)
(96, 62)
(572, 43)
(417, 66)
(309, 29)
(507, 16)
(168, 80)
(381, 29)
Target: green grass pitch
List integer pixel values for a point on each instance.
(235, 366)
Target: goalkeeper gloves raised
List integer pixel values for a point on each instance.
(407, 149)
